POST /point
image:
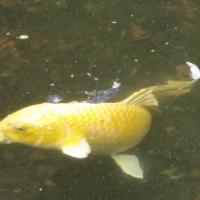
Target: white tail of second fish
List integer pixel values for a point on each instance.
(195, 72)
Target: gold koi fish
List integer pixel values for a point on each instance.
(79, 129)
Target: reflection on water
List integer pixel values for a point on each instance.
(141, 43)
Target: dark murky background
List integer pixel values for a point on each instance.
(143, 43)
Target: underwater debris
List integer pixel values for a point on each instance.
(23, 37)
(54, 98)
(98, 96)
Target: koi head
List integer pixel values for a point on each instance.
(36, 125)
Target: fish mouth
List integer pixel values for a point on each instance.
(3, 138)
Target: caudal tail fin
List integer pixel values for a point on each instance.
(149, 96)
(173, 88)
(177, 88)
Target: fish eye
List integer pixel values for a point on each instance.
(21, 129)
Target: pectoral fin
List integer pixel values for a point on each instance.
(79, 150)
(129, 164)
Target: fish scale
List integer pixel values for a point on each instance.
(111, 123)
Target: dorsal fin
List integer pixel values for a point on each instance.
(143, 97)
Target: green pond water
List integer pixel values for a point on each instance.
(140, 43)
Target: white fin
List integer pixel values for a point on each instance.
(129, 164)
(80, 150)
(195, 72)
